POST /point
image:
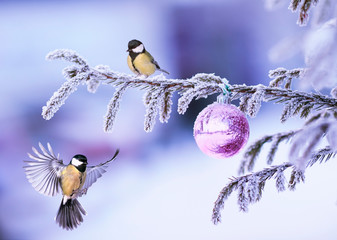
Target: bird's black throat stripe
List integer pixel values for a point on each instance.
(81, 168)
(133, 56)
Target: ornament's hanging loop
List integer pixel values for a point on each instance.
(224, 97)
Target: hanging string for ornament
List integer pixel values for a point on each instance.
(221, 130)
(224, 97)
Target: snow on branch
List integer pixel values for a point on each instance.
(283, 76)
(158, 101)
(68, 55)
(295, 102)
(159, 91)
(320, 111)
(302, 154)
(309, 137)
(323, 155)
(323, 10)
(157, 97)
(303, 7)
(250, 187)
(304, 140)
(251, 154)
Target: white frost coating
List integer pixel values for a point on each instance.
(93, 85)
(333, 92)
(66, 54)
(165, 107)
(305, 141)
(324, 10)
(254, 103)
(289, 110)
(113, 107)
(332, 136)
(320, 53)
(152, 110)
(318, 42)
(185, 100)
(58, 98)
(159, 89)
(252, 188)
(243, 200)
(280, 181)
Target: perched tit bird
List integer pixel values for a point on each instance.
(140, 61)
(49, 175)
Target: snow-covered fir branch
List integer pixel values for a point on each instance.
(251, 154)
(319, 48)
(283, 76)
(159, 91)
(157, 97)
(323, 155)
(306, 140)
(158, 101)
(250, 187)
(323, 123)
(303, 7)
(302, 154)
(295, 102)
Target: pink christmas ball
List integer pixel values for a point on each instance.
(221, 130)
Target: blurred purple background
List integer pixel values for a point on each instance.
(161, 186)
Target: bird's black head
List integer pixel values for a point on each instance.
(135, 46)
(80, 162)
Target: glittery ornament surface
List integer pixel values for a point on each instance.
(221, 130)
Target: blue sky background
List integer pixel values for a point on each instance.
(161, 186)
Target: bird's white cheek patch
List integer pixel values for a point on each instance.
(138, 49)
(76, 162)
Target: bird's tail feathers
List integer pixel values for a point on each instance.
(164, 71)
(69, 215)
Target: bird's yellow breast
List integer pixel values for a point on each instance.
(142, 63)
(130, 65)
(71, 180)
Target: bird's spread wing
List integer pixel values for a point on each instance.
(44, 171)
(95, 172)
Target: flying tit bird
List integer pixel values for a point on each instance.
(140, 61)
(49, 175)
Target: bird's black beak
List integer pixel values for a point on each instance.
(128, 50)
